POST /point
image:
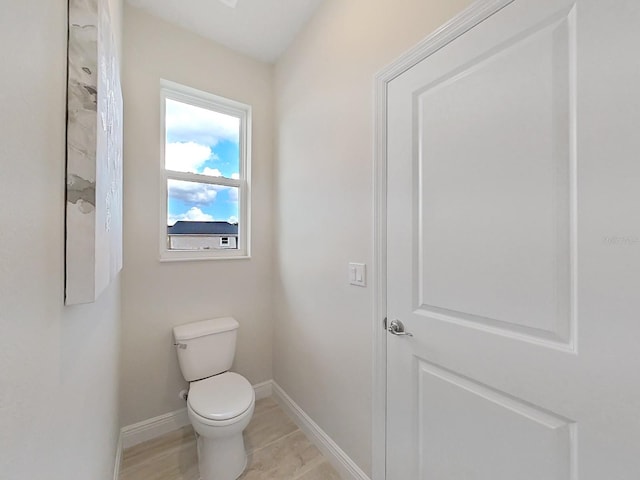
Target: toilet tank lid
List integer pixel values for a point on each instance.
(204, 327)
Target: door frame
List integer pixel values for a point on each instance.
(476, 13)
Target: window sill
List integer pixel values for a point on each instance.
(190, 257)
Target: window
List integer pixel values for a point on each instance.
(205, 175)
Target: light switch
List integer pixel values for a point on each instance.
(358, 274)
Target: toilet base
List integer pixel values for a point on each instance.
(221, 453)
(221, 458)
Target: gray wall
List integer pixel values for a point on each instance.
(157, 296)
(58, 365)
(324, 205)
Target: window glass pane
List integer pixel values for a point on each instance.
(200, 215)
(199, 140)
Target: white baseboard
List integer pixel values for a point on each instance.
(157, 426)
(153, 427)
(346, 467)
(264, 389)
(118, 460)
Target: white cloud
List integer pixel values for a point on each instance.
(186, 157)
(192, 192)
(194, 214)
(187, 123)
(235, 176)
(232, 219)
(233, 194)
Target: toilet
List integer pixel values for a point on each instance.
(220, 403)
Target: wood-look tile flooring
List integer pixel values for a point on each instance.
(277, 450)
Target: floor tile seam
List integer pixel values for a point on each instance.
(272, 442)
(269, 430)
(158, 456)
(139, 449)
(315, 463)
(157, 451)
(153, 472)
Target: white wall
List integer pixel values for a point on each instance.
(157, 296)
(324, 205)
(58, 365)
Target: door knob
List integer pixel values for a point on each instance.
(396, 327)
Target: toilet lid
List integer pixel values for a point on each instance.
(221, 397)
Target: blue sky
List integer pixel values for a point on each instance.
(205, 142)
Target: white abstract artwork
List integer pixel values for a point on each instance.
(94, 153)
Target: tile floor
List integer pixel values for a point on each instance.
(277, 450)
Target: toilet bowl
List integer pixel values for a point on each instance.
(219, 409)
(219, 406)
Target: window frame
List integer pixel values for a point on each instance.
(198, 98)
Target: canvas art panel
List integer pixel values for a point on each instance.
(94, 153)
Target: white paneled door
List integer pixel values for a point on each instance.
(513, 249)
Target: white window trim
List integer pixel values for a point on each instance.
(181, 93)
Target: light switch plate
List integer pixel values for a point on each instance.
(358, 274)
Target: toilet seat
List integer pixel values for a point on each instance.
(221, 397)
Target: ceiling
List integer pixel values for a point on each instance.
(262, 29)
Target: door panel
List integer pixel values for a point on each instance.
(472, 431)
(512, 249)
(494, 159)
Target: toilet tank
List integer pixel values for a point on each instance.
(206, 348)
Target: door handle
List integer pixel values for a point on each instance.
(396, 327)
